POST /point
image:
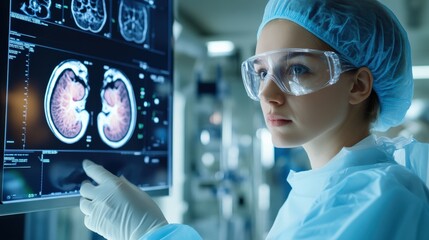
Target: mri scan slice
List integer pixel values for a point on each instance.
(37, 8)
(65, 100)
(89, 15)
(133, 21)
(116, 121)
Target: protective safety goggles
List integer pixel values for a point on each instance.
(296, 71)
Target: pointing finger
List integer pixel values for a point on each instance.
(98, 173)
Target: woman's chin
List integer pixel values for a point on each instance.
(282, 143)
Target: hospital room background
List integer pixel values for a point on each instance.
(228, 180)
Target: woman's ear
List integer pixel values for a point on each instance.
(362, 85)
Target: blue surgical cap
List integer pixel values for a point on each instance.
(365, 33)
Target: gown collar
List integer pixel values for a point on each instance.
(311, 182)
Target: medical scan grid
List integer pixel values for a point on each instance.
(86, 79)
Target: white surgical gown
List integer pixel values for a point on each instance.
(362, 193)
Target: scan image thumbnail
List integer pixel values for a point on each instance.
(89, 15)
(37, 8)
(65, 100)
(117, 119)
(133, 21)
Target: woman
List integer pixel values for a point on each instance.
(326, 73)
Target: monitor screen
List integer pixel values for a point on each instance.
(81, 80)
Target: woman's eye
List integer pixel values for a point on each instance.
(262, 74)
(298, 69)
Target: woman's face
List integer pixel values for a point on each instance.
(300, 120)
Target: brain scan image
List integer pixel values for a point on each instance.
(65, 100)
(117, 119)
(89, 15)
(133, 21)
(37, 8)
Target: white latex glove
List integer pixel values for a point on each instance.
(115, 208)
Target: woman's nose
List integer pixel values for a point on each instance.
(272, 93)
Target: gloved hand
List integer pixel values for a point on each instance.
(115, 208)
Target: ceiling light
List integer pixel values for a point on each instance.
(421, 72)
(177, 29)
(220, 48)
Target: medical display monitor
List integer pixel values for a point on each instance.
(83, 79)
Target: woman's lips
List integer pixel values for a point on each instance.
(277, 121)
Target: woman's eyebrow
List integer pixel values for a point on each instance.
(286, 57)
(292, 55)
(257, 61)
